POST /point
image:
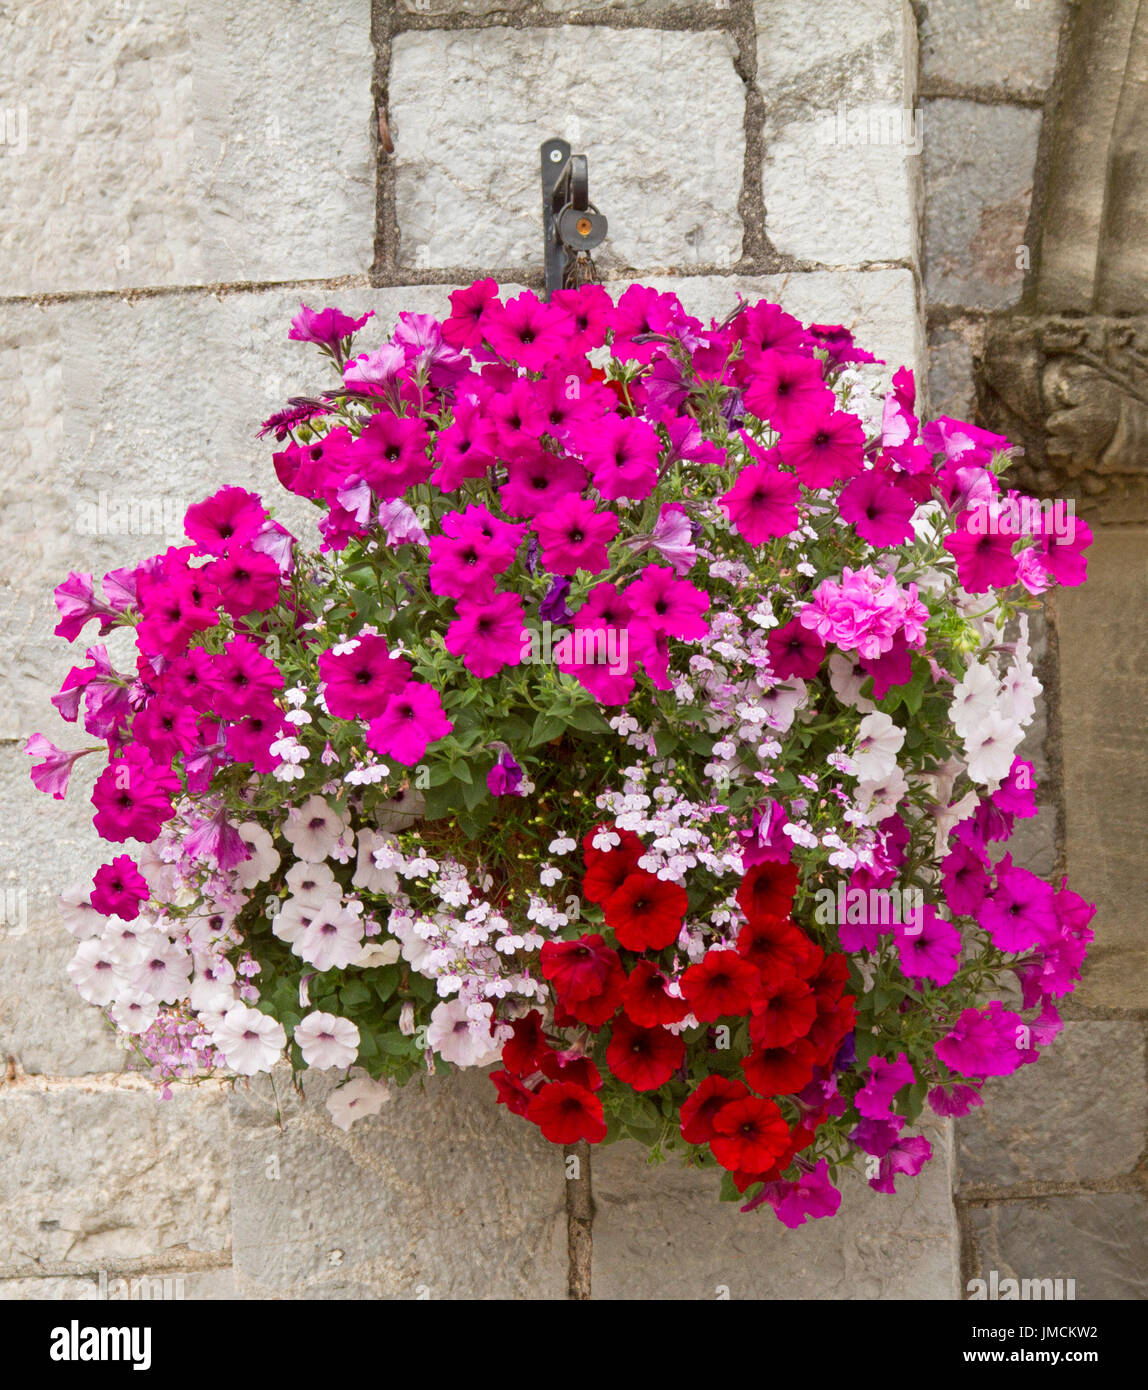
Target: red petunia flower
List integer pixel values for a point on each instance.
(566, 1113)
(628, 843)
(646, 913)
(830, 1026)
(767, 890)
(644, 1058)
(521, 1053)
(751, 1135)
(579, 1071)
(775, 945)
(783, 1012)
(781, 1071)
(511, 1092)
(702, 1107)
(645, 999)
(608, 872)
(719, 985)
(578, 969)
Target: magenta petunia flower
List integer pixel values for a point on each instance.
(215, 839)
(391, 454)
(991, 1041)
(622, 454)
(469, 310)
(466, 448)
(966, 880)
(668, 604)
(359, 683)
(52, 774)
(78, 605)
(247, 581)
(133, 797)
(536, 480)
(173, 611)
(467, 563)
(488, 634)
(824, 448)
(412, 720)
(929, 949)
(794, 650)
(906, 1156)
(875, 1098)
(166, 727)
(811, 1195)
(1019, 913)
(326, 327)
(242, 678)
(878, 509)
(984, 561)
(641, 311)
(249, 740)
(763, 501)
(505, 777)
(119, 888)
(527, 331)
(1063, 556)
(231, 516)
(787, 389)
(589, 307)
(575, 535)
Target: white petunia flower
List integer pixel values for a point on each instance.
(250, 1041)
(973, 698)
(77, 913)
(95, 972)
(164, 971)
(334, 938)
(459, 1039)
(326, 1041)
(314, 829)
(879, 741)
(264, 856)
(990, 748)
(359, 1098)
(134, 1013)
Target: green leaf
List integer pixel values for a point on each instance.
(546, 727)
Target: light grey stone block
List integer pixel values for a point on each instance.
(978, 175)
(160, 144)
(1079, 1114)
(99, 1172)
(661, 1233)
(468, 111)
(842, 135)
(442, 1194)
(991, 44)
(1100, 1240)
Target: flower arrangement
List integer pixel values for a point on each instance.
(645, 722)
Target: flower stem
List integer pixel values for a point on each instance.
(579, 1220)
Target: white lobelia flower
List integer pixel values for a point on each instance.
(368, 875)
(95, 972)
(990, 748)
(134, 1013)
(460, 1039)
(359, 1098)
(312, 883)
(314, 829)
(250, 1041)
(879, 741)
(264, 856)
(878, 799)
(334, 938)
(327, 1041)
(973, 697)
(164, 971)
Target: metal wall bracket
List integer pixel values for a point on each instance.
(571, 225)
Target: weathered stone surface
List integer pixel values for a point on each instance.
(443, 1194)
(880, 305)
(99, 1172)
(661, 1233)
(1103, 693)
(1001, 45)
(1079, 1114)
(194, 1286)
(469, 110)
(1098, 1239)
(840, 122)
(951, 388)
(162, 145)
(431, 8)
(978, 176)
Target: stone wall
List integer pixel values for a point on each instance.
(1052, 1178)
(176, 178)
